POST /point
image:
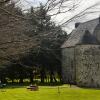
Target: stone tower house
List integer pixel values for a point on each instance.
(81, 55)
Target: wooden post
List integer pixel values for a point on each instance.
(58, 90)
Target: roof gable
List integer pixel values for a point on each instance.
(77, 34)
(88, 38)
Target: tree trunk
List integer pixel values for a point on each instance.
(42, 75)
(21, 80)
(12, 80)
(31, 77)
(51, 77)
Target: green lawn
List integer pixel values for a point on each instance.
(49, 93)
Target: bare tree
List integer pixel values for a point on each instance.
(57, 7)
(13, 41)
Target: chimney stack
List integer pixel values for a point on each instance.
(77, 24)
(99, 18)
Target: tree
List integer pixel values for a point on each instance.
(50, 37)
(28, 40)
(13, 42)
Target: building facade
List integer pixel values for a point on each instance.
(81, 55)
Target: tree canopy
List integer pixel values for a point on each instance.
(29, 44)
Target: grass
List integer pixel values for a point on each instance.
(49, 93)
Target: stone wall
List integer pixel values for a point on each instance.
(87, 65)
(68, 66)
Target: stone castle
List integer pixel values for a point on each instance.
(81, 55)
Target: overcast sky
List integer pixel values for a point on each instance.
(59, 19)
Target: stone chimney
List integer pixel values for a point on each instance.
(77, 24)
(99, 19)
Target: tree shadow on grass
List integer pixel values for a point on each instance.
(25, 84)
(89, 87)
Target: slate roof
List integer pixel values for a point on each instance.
(88, 38)
(97, 31)
(78, 33)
